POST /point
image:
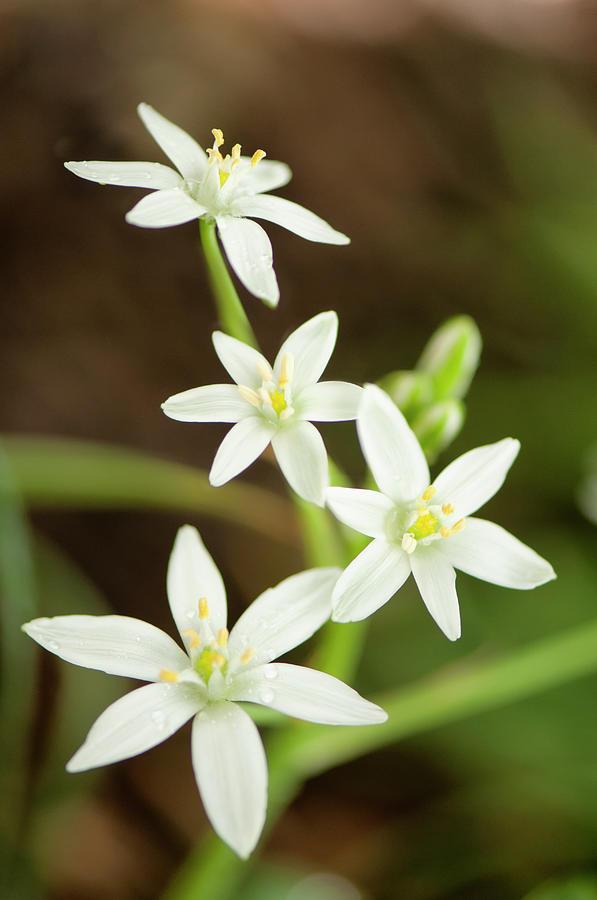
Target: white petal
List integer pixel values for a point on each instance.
(302, 456)
(329, 401)
(472, 479)
(284, 616)
(118, 645)
(242, 445)
(371, 579)
(163, 209)
(153, 176)
(310, 347)
(267, 175)
(291, 216)
(192, 574)
(487, 551)
(390, 447)
(211, 403)
(249, 251)
(244, 364)
(231, 772)
(365, 511)
(135, 723)
(186, 154)
(306, 694)
(436, 581)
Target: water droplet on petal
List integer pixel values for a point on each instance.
(266, 695)
(53, 645)
(271, 673)
(159, 720)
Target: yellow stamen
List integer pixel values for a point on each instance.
(194, 639)
(286, 369)
(214, 155)
(223, 637)
(235, 154)
(218, 136)
(168, 675)
(246, 656)
(203, 608)
(257, 157)
(454, 529)
(447, 509)
(445, 532)
(249, 395)
(428, 493)
(219, 660)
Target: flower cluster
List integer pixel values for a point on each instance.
(418, 524)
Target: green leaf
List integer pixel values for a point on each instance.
(582, 887)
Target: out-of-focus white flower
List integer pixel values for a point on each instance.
(274, 404)
(232, 189)
(204, 681)
(425, 528)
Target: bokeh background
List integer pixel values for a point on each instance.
(455, 141)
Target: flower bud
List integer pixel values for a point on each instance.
(410, 391)
(451, 357)
(438, 425)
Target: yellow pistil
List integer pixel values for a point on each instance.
(448, 509)
(278, 401)
(194, 639)
(257, 157)
(203, 608)
(169, 676)
(247, 655)
(223, 637)
(428, 493)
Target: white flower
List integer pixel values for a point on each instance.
(425, 528)
(274, 405)
(203, 681)
(228, 188)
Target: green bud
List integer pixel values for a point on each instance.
(410, 391)
(438, 425)
(451, 357)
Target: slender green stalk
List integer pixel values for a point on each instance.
(230, 309)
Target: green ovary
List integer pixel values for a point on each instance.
(207, 661)
(426, 525)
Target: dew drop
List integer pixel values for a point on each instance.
(53, 645)
(271, 673)
(191, 614)
(159, 720)
(266, 695)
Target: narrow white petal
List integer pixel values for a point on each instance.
(153, 176)
(184, 151)
(135, 723)
(472, 479)
(310, 347)
(436, 581)
(371, 579)
(267, 175)
(242, 445)
(118, 645)
(211, 403)
(243, 363)
(284, 616)
(329, 401)
(231, 772)
(390, 447)
(303, 459)
(306, 694)
(192, 574)
(365, 511)
(487, 551)
(291, 216)
(249, 251)
(163, 209)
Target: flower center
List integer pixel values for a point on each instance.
(424, 522)
(273, 398)
(227, 164)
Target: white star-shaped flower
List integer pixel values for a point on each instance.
(274, 405)
(206, 681)
(422, 527)
(232, 189)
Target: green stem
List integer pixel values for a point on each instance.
(230, 309)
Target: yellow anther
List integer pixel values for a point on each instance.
(218, 136)
(246, 656)
(214, 155)
(448, 509)
(218, 660)
(445, 532)
(286, 369)
(257, 157)
(428, 493)
(457, 526)
(223, 637)
(235, 154)
(194, 639)
(169, 676)
(249, 395)
(203, 608)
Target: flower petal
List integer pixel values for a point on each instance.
(163, 209)
(306, 694)
(242, 445)
(291, 216)
(135, 723)
(310, 347)
(231, 772)
(329, 401)
(184, 151)
(268, 175)
(243, 363)
(302, 456)
(365, 511)
(487, 551)
(284, 616)
(249, 251)
(371, 579)
(436, 581)
(210, 403)
(192, 574)
(390, 447)
(118, 645)
(472, 479)
(153, 176)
